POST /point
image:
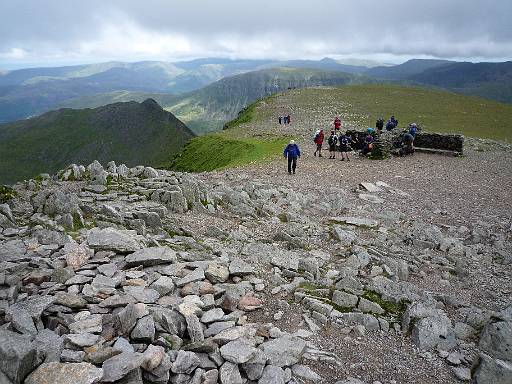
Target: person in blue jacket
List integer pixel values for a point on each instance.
(292, 152)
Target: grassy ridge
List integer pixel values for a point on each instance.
(436, 110)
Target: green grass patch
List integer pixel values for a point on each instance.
(245, 116)
(211, 152)
(6, 194)
(396, 309)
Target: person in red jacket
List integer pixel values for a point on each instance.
(337, 124)
(319, 140)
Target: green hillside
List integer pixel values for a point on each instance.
(256, 136)
(131, 133)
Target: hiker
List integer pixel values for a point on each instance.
(379, 124)
(345, 141)
(332, 141)
(319, 140)
(355, 143)
(292, 152)
(280, 119)
(337, 124)
(413, 129)
(368, 145)
(390, 125)
(288, 118)
(408, 144)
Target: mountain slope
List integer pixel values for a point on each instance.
(209, 108)
(405, 70)
(132, 133)
(490, 80)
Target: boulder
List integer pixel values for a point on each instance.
(18, 357)
(284, 351)
(110, 239)
(185, 362)
(272, 375)
(230, 374)
(65, 373)
(148, 257)
(120, 365)
(496, 339)
(238, 351)
(493, 371)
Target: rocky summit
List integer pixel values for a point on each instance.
(111, 274)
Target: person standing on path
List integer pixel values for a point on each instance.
(332, 141)
(280, 120)
(292, 153)
(319, 140)
(337, 124)
(344, 146)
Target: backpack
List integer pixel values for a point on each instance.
(332, 140)
(344, 140)
(315, 138)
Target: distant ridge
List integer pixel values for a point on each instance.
(131, 133)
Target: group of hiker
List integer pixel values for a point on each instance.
(284, 119)
(353, 141)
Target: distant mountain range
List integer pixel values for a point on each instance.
(131, 133)
(29, 92)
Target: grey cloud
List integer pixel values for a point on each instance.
(156, 29)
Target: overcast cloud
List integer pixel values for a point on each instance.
(54, 32)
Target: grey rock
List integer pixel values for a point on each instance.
(233, 333)
(48, 346)
(144, 331)
(217, 327)
(493, 371)
(305, 373)
(148, 257)
(194, 327)
(163, 285)
(76, 255)
(161, 373)
(109, 239)
(238, 351)
(213, 315)
(462, 373)
(153, 357)
(238, 267)
(129, 315)
(17, 356)
(123, 345)
(65, 373)
(428, 332)
(21, 321)
(230, 374)
(285, 260)
(144, 295)
(367, 306)
(344, 299)
(80, 340)
(284, 351)
(70, 300)
(496, 339)
(272, 375)
(120, 365)
(117, 301)
(91, 324)
(108, 270)
(217, 273)
(356, 221)
(254, 367)
(345, 237)
(210, 377)
(185, 362)
(195, 275)
(71, 356)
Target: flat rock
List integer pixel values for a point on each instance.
(148, 257)
(110, 239)
(272, 375)
(196, 275)
(185, 362)
(371, 198)
(70, 300)
(17, 355)
(238, 351)
(217, 273)
(356, 221)
(238, 267)
(91, 324)
(120, 365)
(284, 351)
(213, 315)
(230, 374)
(65, 373)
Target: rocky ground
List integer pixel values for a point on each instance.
(392, 271)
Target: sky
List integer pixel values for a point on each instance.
(58, 32)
